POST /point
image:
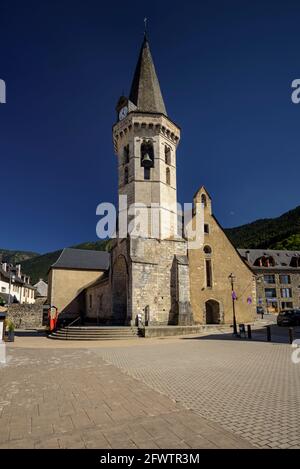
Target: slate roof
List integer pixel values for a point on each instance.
(282, 259)
(82, 259)
(145, 91)
(17, 279)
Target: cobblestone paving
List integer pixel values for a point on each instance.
(250, 388)
(71, 398)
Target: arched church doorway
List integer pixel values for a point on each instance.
(212, 312)
(119, 291)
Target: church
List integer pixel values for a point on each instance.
(156, 278)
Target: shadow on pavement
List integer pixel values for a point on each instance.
(279, 335)
(30, 333)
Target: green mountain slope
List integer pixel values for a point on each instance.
(15, 257)
(270, 233)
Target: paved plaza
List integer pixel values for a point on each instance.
(195, 392)
(70, 398)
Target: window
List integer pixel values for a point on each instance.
(168, 155)
(203, 200)
(208, 273)
(284, 279)
(269, 278)
(286, 293)
(207, 249)
(126, 175)
(3, 289)
(264, 261)
(206, 228)
(168, 176)
(286, 305)
(270, 292)
(295, 262)
(100, 300)
(91, 300)
(126, 154)
(147, 173)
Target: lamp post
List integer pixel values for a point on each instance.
(11, 280)
(232, 279)
(259, 280)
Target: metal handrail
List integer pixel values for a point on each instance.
(71, 324)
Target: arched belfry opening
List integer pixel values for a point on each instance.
(212, 312)
(120, 290)
(147, 154)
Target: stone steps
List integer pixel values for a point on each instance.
(95, 333)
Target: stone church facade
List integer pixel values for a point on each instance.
(155, 275)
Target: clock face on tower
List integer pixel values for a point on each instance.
(123, 113)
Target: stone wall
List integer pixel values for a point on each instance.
(164, 331)
(98, 303)
(25, 316)
(152, 290)
(215, 299)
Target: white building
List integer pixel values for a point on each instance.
(16, 284)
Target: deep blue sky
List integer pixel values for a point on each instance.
(225, 69)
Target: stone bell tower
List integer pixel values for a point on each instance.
(150, 272)
(145, 141)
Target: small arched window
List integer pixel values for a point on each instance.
(203, 200)
(207, 249)
(167, 155)
(126, 175)
(168, 176)
(126, 154)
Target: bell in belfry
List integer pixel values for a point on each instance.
(147, 161)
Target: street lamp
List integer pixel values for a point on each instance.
(12, 278)
(259, 281)
(233, 296)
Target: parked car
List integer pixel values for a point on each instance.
(296, 317)
(289, 317)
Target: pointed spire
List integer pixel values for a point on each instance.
(145, 91)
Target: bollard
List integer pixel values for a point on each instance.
(269, 333)
(291, 335)
(249, 332)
